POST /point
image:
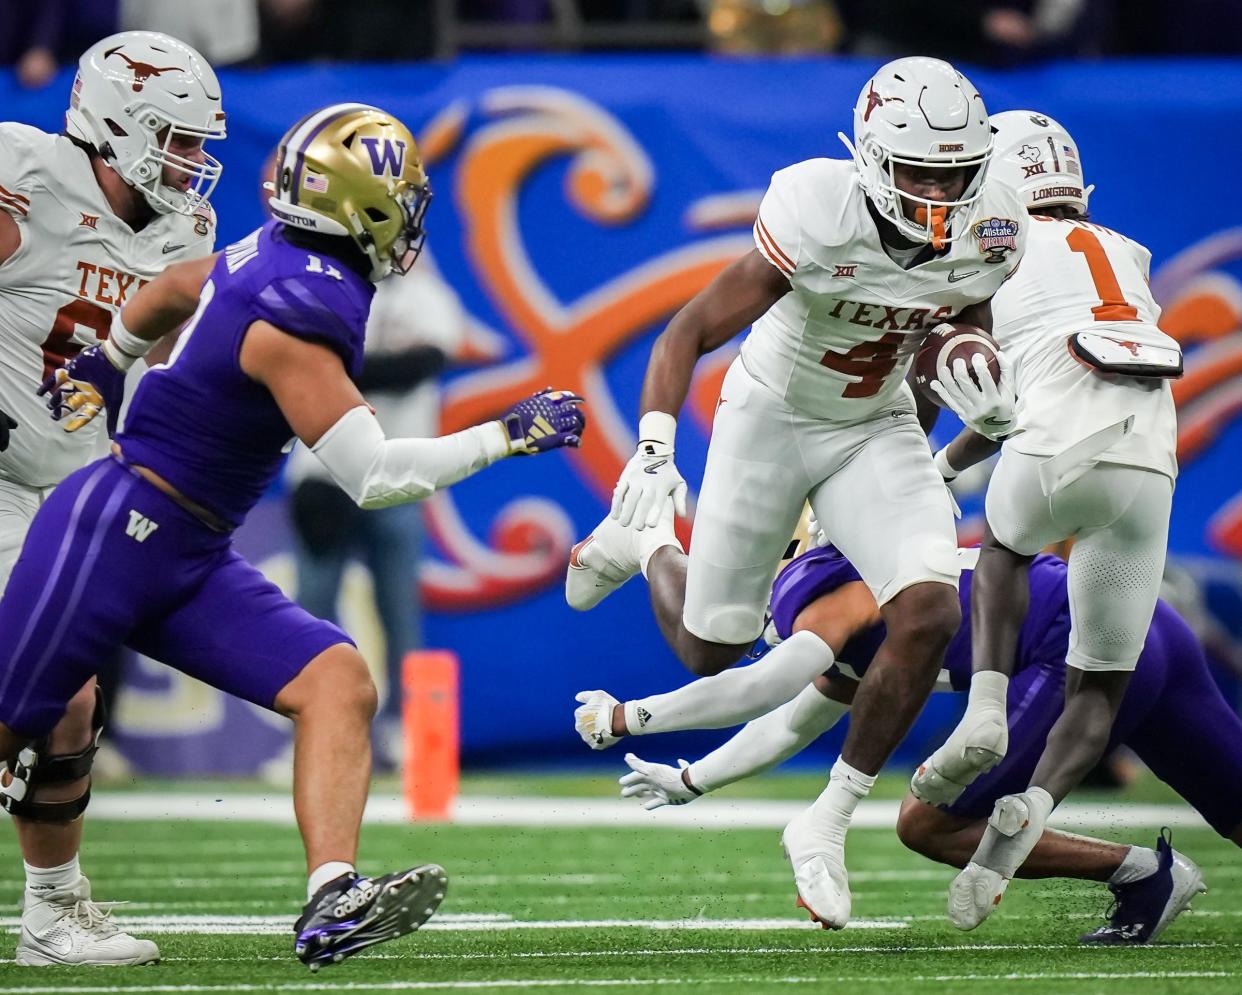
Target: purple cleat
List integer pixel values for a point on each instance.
(1143, 909)
(351, 913)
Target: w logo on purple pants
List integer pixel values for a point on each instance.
(387, 155)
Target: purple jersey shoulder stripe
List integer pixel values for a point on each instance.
(305, 295)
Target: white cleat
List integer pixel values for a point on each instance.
(819, 872)
(600, 564)
(951, 769)
(1009, 838)
(974, 893)
(66, 927)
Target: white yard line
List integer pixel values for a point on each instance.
(362, 986)
(477, 810)
(833, 950)
(281, 924)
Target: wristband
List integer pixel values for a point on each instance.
(657, 427)
(941, 459)
(122, 346)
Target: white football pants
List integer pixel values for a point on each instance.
(873, 486)
(1118, 517)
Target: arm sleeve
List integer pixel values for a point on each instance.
(735, 695)
(778, 230)
(378, 472)
(768, 740)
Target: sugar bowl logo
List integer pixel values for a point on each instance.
(996, 237)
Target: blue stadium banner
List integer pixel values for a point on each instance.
(578, 203)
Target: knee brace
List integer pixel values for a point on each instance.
(36, 766)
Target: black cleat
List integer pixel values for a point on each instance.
(351, 913)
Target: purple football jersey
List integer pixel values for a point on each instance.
(200, 422)
(1044, 633)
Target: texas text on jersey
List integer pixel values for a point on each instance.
(76, 265)
(838, 347)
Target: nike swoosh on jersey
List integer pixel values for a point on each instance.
(954, 278)
(169, 247)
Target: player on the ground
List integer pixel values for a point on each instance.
(136, 549)
(1093, 460)
(854, 262)
(86, 218)
(1173, 716)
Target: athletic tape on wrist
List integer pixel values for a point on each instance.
(658, 427)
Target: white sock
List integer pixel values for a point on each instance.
(324, 873)
(1041, 804)
(44, 879)
(988, 689)
(1140, 863)
(834, 808)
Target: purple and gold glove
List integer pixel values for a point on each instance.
(84, 386)
(546, 420)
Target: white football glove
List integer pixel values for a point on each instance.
(655, 785)
(646, 482)
(650, 476)
(988, 408)
(593, 719)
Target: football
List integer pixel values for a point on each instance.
(946, 344)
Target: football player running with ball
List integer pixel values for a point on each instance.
(1094, 460)
(136, 548)
(854, 262)
(86, 218)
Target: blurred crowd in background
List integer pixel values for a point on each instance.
(38, 35)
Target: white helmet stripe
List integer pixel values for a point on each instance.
(311, 127)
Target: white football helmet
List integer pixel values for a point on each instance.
(1038, 160)
(135, 93)
(922, 112)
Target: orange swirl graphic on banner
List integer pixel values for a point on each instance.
(563, 344)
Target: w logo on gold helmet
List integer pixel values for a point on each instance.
(352, 169)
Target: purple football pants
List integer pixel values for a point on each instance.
(110, 560)
(1173, 716)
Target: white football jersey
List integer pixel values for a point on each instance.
(76, 265)
(839, 345)
(1082, 277)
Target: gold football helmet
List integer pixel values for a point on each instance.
(352, 169)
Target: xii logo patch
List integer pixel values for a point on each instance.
(140, 527)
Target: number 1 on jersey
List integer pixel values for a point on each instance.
(1112, 306)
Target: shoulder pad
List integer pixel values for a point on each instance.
(318, 308)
